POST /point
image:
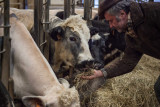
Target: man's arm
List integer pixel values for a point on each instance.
(120, 66)
(123, 65)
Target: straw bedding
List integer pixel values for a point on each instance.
(135, 89)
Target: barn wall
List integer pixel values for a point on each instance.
(58, 2)
(16, 3)
(30, 4)
(20, 4)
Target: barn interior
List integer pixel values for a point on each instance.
(135, 89)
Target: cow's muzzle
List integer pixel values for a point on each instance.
(90, 64)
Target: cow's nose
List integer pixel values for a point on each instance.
(95, 64)
(90, 64)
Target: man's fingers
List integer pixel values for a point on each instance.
(88, 77)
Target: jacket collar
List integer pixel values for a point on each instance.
(130, 31)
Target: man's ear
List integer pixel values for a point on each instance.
(57, 33)
(33, 101)
(122, 13)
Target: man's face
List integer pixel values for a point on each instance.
(118, 23)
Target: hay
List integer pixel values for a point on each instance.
(83, 85)
(135, 89)
(78, 82)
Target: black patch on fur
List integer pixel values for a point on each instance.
(56, 31)
(13, 15)
(73, 44)
(61, 14)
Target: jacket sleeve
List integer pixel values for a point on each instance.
(123, 65)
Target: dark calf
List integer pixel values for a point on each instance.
(157, 89)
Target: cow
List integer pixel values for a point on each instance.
(109, 45)
(101, 40)
(26, 16)
(71, 38)
(66, 64)
(70, 47)
(34, 80)
(71, 50)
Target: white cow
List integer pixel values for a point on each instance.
(27, 17)
(34, 80)
(70, 43)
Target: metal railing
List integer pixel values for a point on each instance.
(5, 80)
(88, 4)
(41, 24)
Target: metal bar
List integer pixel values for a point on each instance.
(5, 95)
(1, 57)
(45, 44)
(36, 22)
(67, 12)
(25, 4)
(47, 14)
(38, 26)
(90, 7)
(41, 33)
(6, 26)
(45, 22)
(6, 46)
(3, 51)
(73, 7)
(5, 57)
(6, 62)
(86, 9)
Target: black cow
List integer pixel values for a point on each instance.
(105, 44)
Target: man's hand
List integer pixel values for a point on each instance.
(97, 73)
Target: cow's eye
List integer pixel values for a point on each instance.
(72, 38)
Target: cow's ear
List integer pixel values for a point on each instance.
(93, 30)
(33, 101)
(57, 33)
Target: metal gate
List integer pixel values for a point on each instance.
(41, 25)
(5, 80)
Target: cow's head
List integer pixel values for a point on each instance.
(71, 38)
(61, 96)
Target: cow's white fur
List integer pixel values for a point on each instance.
(79, 25)
(27, 18)
(32, 75)
(96, 37)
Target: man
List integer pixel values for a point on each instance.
(142, 26)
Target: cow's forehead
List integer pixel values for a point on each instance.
(76, 23)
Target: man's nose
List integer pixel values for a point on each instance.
(111, 25)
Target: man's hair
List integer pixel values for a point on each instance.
(122, 5)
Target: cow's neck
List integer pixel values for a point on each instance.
(28, 60)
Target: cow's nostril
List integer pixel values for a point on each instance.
(97, 65)
(90, 64)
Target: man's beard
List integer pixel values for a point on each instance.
(119, 30)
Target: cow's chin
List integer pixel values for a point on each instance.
(64, 71)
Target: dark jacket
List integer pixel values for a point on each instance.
(146, 25)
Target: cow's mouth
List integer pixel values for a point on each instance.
(70, 72)
(89, 64)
